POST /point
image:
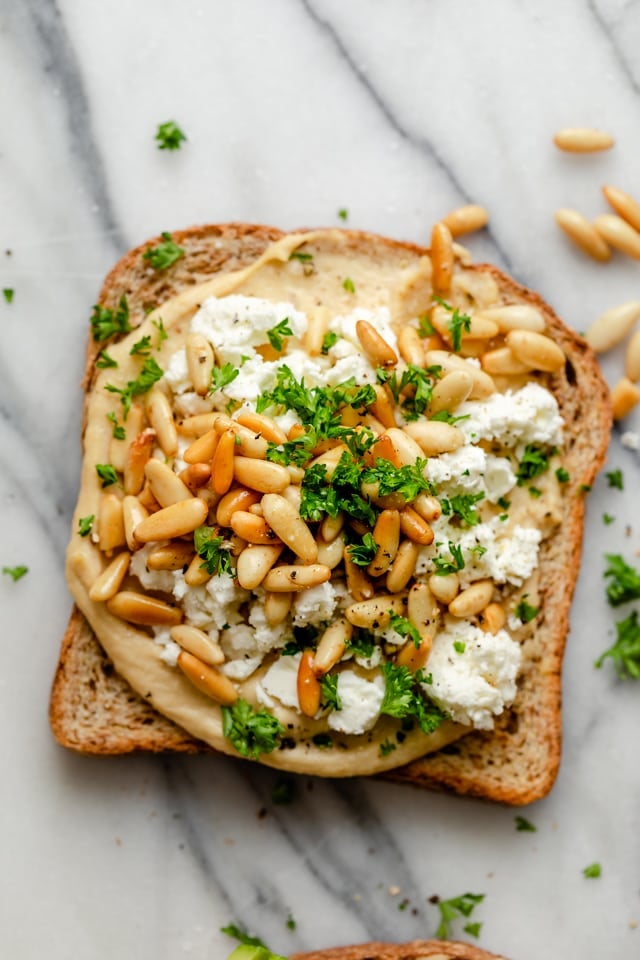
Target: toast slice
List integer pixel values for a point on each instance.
(94, 711)
(416, 950)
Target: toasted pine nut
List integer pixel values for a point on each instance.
(309, 689)
(198, 425)
(137, 455)
(448, 393)
(386, 534)
(423, 610)
(259, 423)
(252, 529)
(254, 564)
(237, 499)
(110, 523)
(582, 140)
(415, 528)
(108, 582)
(222, 465)
(296, 431)
(132, 427)
(332, 646)
(376, 611)
(295, 577)
(483, 385)
(442, 259)
(202, 449)
(472, 600)
(331, 527)
(256, 509)
(583, 233)
(198, 643)
(358, 583)
(195, 476)
(612, 326)
(390, 501)
(294, 495)
(147, 500)
(624, 205)
(624, 397)
(406, 448)
(619, 234)
(296, 474)
(410, 346)
(382, 449)
(375, 346)
(466, 219)
(331, 553)
(161, 419)
(428, 507)
(515, 316)
(382, 408)
(248, 443)
(480, 326)
(261, 475)
(415, 657)
(142, 609)
(197, 573)
(173, 556)
(174, 521)
(166, 487)
(472, 348)
(133, 513)
(435, 437)
(199, 362)
(502, 362)
(445, 589)
(276, 607)
(632, 358)
(402, 567)
(462, 254)
(536, 350)
(208, 679)
(316, 328)
(492, 618)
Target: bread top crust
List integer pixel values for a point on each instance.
(415, 950)
(381, 252)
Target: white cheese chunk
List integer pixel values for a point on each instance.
(314, 605)
(361, 700)
(235, 325)
(516, 417)
(281, 681)
(177, 374)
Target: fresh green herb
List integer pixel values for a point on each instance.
(252, 732)
(8, 294)
(459, 646)
(425, 327)
(563, 475)
(362, 644)
(418, 384)
(343, 213)
(525, 612)
(479, 550)
(105, 361)
(296, 451)
(162, 333)
(592, 871)
(322, 740)
(363, 553)
(291, 924)
(534, 462)
(457, 323)
(165, 254)
(16, 573)
(329, 687)
(243, 936)
(321, 494)
(473, 929)
(607, 518)
(625, 580)
(463, 506)
(214, 551)
(503, 517)
(151, 372)
(387, 747)
(329, 340)
(443, 566)
(616, 479)
(106, 322)
(535, 492)
(585, 487)
(349, 285)
(303, 637)
(107, 474)
(118, 432)
(404, 627)
(141, 348)
(221, 377)
(450, 910)
(408, 481)
(443, 416)
(404, 697)
(277, 334)
(504, 503)
(302, 255)
(524, 826)
(85, 525)
(283, 793)
(169, 136)
(625, 652)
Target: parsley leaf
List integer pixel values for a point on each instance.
(151, 372)
(302, 255)
(323, 494)
(362, 643)
(283, 792)
(105, 361)
(214, 551)
(106, 322)
(291, 923)
(443, 566)
(404, 627)
(445, 417)
(456, 907)
(403, 697)
(607, 519)
(387, 747)
(329, 340)
(277, 334)
(221, 377)
(343, 213)
(425, 327)
(169, 136)
(524, 826)
(534, 462)
(409, 481)
(459, 646)
(329, 687)
(416, 384)
(463, 506)
(16, 573)
(525, 612)
(456, 324)
(363, 553)
(625, 652)
(118, 432)
(8, 293)
(473, 929)
(592, 871)
(616, 479)
(107, 474)
(162, 333)
(165, 254)
(85, 525)
(625, 580)
(349, 285)
(141, 348)
(563, 475)
(252, 732)
(239, 933)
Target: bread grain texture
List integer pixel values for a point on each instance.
(415, 950)
(94, 711)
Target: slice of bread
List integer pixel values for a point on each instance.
(416, 950)
(94, 711)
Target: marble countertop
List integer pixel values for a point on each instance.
(293, 109)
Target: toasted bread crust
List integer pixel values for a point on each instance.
(94, 711)
(415, 950)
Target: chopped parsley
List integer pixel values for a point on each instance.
(322, 740)
(445, 417)
(563, 475)
(409, 481)
(585, 487)
(107, 474)
(323, 494)
(349, 285)
(473, 929)
(425, 327)
(456, 324)
(16, 573)
(8, 294)
(607, 519)
(363, 553)
(277, 334)
(616, 479)
(625, 652)
(415, 385)
(387, 747)
(85, 525)
(302, 255)
(151, 372)
(459, 646)
(592, 871)
(534, 462)
(291, 923)
(329, 340)
(283, 792)
(404, 698)
(106, 322)
(624, 584)
(463, 506)
(162, 333)
(165, 254)
(329, 687)
(141, 348)
(404, 627)
(443, 566)
(169, 136)
(221, 377)
(252, 732)
(525, 612)
(104, 361)
(524, 826)
(535, 492)
(243, 936)
(450, 910)
(362, 644)
(343, 213)
(214, 551)
(504, 503)
(118, 432)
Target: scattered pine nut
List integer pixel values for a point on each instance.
(624, 205)
(612, 326)
(583, 140)
(624, 397)
(619, 234)
(583, 234)
(466, 219)
(442, 258)
(632, 358)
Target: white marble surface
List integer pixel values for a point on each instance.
(294, 108)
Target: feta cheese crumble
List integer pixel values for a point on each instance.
(361, 700)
